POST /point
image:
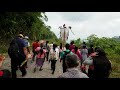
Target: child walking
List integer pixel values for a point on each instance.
(40, 58)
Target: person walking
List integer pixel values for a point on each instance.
(46, 46)
(34, 46)
(18, 54)
(72, 61)
(84, 53)
(40, 58)
(54, 56)
(77, 52)
(102, 66)
(63, 56)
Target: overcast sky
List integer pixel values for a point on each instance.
(103, 24)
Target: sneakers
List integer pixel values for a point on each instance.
(52, 72)
(40, 69)
(23, 75)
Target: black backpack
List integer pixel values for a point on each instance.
(13, 49)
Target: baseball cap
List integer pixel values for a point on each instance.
(20, 35)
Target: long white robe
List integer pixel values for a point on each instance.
(64, 33)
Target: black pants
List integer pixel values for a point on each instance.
(90, 73)
(15, 62)
(47, 53)
(53, 65)
(64, 67)
(34, 54)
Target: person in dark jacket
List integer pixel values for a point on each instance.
(101, 64)
(16, 61)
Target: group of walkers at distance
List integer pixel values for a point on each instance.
(77, 62)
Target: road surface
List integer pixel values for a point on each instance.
(45, 73)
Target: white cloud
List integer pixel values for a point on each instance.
(103, 24)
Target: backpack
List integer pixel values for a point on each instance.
(53, 55)
(65, 55)
(13, 49)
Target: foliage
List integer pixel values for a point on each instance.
(112, 49)
(30, 23)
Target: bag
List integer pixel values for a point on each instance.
(54, 55)
(13, 49)
(48, 48)
(65, 55)
(39, 53)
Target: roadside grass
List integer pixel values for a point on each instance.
(115, 60)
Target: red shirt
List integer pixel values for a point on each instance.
(71, 47)
(78, 53)
(35, 45)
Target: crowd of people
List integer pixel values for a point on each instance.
(77, 62)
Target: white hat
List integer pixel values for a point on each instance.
(26, 37)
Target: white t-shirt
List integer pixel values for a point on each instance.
(56, 53)
(28, 44)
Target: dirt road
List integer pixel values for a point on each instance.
(45, 73)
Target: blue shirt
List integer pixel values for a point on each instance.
(26, 42)
(21, 44)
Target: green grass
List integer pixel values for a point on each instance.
(3, 49)
(115, 60)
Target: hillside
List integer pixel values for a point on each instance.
(30, 23)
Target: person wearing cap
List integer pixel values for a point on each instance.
(72, 61)
(17, 61)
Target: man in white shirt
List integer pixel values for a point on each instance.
(54, 56)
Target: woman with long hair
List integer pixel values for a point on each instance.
(102, 66)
